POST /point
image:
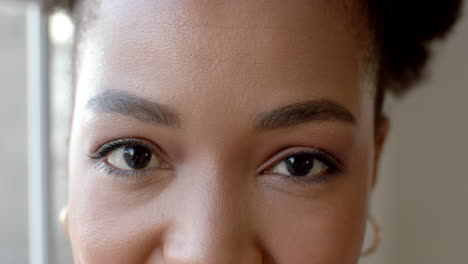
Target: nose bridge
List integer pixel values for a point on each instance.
(212, 224)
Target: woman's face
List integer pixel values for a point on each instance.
(221, 132)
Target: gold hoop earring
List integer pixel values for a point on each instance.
(377, 237)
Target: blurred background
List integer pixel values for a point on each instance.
(421, 199)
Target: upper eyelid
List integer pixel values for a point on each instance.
(291, 151)
(104, 149)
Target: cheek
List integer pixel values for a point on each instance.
(110, 223)
(331, 237)
(324, 228)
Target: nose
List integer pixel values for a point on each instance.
(212, 225)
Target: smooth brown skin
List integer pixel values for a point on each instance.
(219, 64)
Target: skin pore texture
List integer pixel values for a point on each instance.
(221, 92)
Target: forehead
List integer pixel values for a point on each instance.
(306, 21)
(224, 49)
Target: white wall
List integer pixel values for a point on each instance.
(13, 147)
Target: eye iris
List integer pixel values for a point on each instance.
(136, 157)
(299, 165)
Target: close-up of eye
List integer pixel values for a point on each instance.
(133, 158)
(311, 165)
(300, 166)
(128, 155)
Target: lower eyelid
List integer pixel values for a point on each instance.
(322, 179)
(104, 167)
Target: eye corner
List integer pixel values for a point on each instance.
(95, 156)
(263, 171)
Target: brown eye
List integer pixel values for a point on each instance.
(136, 157)
(133, 158)
(300, 165)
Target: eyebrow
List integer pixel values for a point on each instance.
(303, 112)
(124, 103)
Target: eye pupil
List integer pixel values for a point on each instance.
(136, 157)
(300, 164)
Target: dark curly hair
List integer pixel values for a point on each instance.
(404, 31)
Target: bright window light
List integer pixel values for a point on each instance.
(61, 28)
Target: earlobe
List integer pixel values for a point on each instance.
(63, 219)
(381, 132)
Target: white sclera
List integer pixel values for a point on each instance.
(116, 159)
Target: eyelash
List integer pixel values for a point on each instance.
(333, 164)
(105, 149)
